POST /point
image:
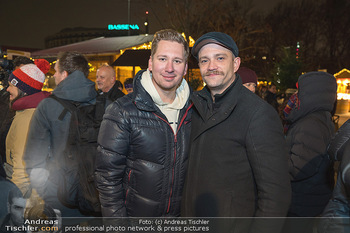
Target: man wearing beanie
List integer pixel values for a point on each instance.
(25, 86)
(48, 134)
(238, 158)
(249, 78)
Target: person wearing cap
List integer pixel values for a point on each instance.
(249, 78)
(25, 86)
(48, 134)
(238, 158)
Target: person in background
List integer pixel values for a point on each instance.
(107, 85)
(47, 137)
(19, 61)
(249, 78)
(7, 114)
(335, 217)
(144, 137)
(262, 91)
(25, 86)
(238, 159)
(271, 96)
(119, 85)
(308, 136)
(291, 103)
(128, 85)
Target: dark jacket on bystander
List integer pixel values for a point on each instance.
(310, 131)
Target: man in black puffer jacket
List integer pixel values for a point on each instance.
(144, 137)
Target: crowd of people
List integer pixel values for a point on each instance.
(164, 150)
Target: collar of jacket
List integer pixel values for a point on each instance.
(30, 101)
(226, 102)
(114, 92)
(140, 96)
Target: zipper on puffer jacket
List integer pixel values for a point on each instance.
(175, 142)
(127, 191)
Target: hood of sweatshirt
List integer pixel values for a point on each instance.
(76, 87)
(317, 91)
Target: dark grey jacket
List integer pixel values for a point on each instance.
(308, 137)
(337, 212)
(47, 134)
(141, 165)
(238, 159)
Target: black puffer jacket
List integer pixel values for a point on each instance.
(337, 212)
(141, 166)
(308, 137)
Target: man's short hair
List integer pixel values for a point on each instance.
(169, 35)
(21, 60)
(110, 68)
(15, 192)
(72, 61)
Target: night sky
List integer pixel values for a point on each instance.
(26, 23)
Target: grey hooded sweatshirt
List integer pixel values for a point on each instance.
(47, 136)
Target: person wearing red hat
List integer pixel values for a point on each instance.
(25, 84)
(249, 78)
(7, 114)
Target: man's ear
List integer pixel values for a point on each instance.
(150, 63)
(186, 67)
(236, 63)
(65, 74)
(8, 207)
